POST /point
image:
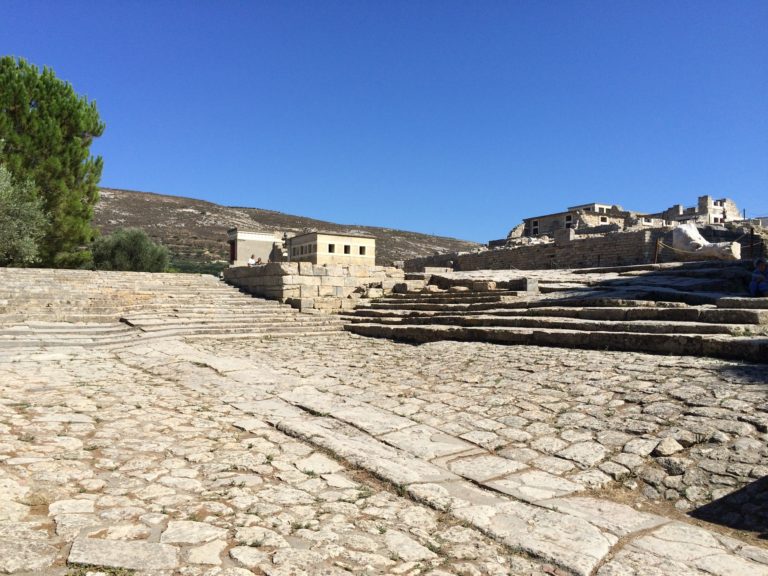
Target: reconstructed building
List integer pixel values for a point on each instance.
(332, 248)
(597, 218)
(706, 211)
(264, 245)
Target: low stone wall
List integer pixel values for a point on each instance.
(309, 287)
(618, 249)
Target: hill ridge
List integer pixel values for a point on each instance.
(194, 230)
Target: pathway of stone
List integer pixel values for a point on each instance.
(353, 456)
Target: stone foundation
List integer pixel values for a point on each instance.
(313, 288)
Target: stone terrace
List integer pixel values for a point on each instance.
(693, 309)
(338, 454)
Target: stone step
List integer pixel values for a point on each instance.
(454, 297)
(730, 347)
(232, 326)
(543, 322)
(743, 302)
(687, 314)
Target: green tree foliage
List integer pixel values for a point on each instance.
(22, 221)
(129, 249)
(46, 130)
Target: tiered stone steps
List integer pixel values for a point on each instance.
(594, 317)
(51, 308)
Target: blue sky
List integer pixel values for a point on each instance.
(447, 117)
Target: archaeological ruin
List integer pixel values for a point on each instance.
(589, 406)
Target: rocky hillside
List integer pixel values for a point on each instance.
(195, 231)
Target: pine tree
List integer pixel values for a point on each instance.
(46, 130)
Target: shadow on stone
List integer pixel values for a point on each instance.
(746, 373)
(745, 509)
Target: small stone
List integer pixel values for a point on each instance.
(318, 464)
(667, 447)
(406, 547)
(640, 446)
(209, 553)
(675, 466)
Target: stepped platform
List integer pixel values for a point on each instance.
(59, 308)
(695, 309)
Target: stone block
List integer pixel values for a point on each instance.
(306, 268)
(388, 285)
(309, 291)
(326, 291)
(328, 303)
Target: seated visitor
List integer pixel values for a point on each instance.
(252, 260)
(259, 262)
(758, 286)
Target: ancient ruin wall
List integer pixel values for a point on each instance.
(618, 249)
(310, 287)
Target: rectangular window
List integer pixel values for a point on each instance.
(331, 248)
(295, 251)
(535, 223)
(362, 250)
(568, 217)
(347, 249)
(535, 230)
(603, 219)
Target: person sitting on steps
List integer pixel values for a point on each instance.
(758, 286)
(252, 260)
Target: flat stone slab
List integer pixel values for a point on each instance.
(584, 454)
(426, 442)
(701, 549)
(189, 532)
(534, 485)
(406, 547)
(618, 519)
(566, 540)
(484, 467)
(318, 464)
(24, 548)
(369, 418)
(367, 452)
(134, 555)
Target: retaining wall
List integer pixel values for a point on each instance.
(313, 288)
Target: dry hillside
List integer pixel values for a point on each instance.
(195, 231)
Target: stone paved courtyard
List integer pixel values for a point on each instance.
(345, 455)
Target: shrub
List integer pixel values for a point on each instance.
(22, 222)
(129, 249)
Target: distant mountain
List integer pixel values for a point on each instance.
(195, 231)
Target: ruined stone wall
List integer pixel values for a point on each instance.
(310, 287)
(434, 261)
(618, 249)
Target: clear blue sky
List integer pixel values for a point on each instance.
(450, 117)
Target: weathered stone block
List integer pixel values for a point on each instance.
(309, 291)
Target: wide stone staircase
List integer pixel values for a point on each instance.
(44, 307)
(687, 309)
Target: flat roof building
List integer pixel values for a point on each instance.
(332, 248)
(264, 245)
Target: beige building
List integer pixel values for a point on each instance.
(600, 218)
(706, 211)
(264, 245)
(332, 248)
(582, 216)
